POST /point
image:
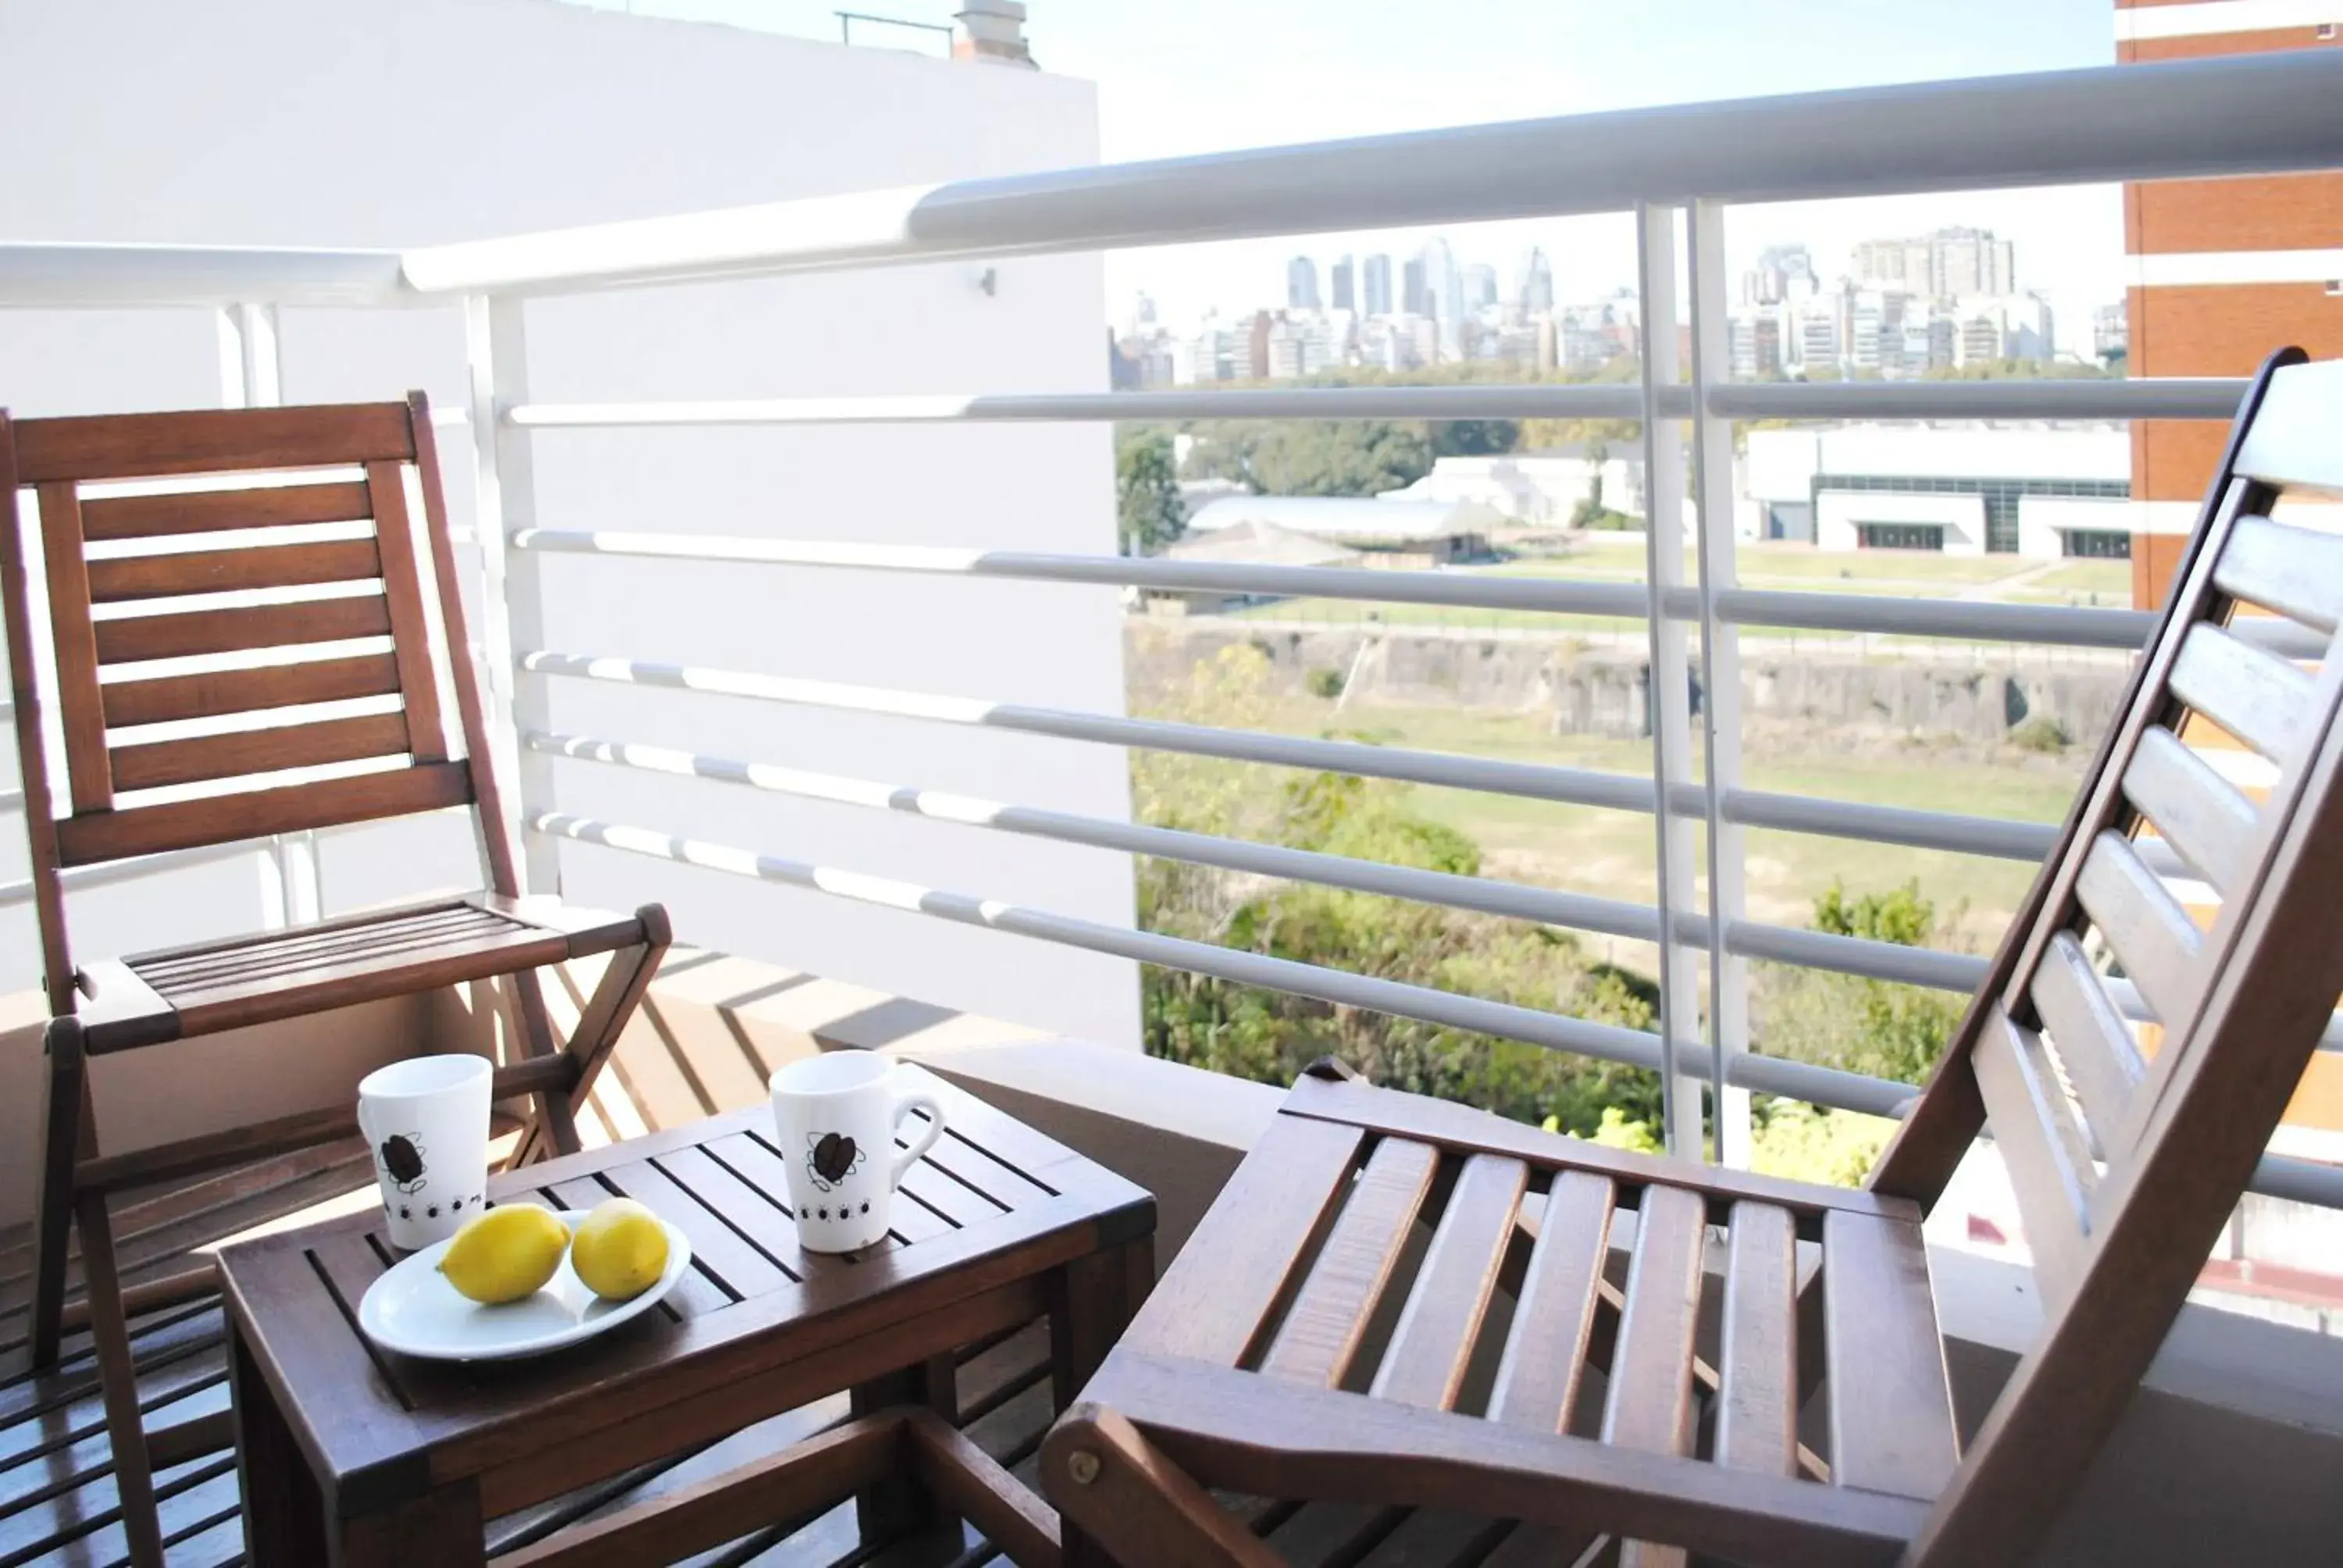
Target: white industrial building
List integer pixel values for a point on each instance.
(1439, 531)
(1543, 488)
(2042, 490)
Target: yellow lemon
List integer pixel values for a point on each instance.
(621, 1250)
(505, 1253)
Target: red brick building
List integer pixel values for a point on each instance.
(2221, 271)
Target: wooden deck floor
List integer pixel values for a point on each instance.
(57, 1503)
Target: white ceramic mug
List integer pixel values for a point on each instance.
(427, 1121)
(836, 1114)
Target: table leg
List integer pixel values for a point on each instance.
(284, 1513)
(442, 1527)
(899, 1505)
(1093, 1299)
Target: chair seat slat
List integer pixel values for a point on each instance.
(2298, 572)
(1546, 1355)
(254, 751)
(1321, 1331)
(1426, 1364)
(2049, 1161)
(1757, 1393)
(2207, 821)
(219, 511)
(2257, 697)
(218, 693)
(132, 640)
(1279, 1203)
(2144, 923)
(125, 579)
(2089, 1033)
(1891, 1412)
(1651, 1400)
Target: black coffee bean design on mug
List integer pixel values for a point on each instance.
(831, 1158)
(402, 1160)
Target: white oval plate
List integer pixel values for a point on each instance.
(413, 1309)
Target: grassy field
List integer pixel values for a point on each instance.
(1589, 849)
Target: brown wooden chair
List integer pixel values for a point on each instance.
(128, 796)
(1245, 1370)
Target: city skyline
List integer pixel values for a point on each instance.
(1899, 304)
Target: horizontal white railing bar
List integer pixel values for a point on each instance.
(1474, 591)
(2254, 113)
(77, 878)
(1998, 837)
(1576, 786)
(1573, 785)
(105, 277)
(1886, 616)
(1609, 1042)
(1833, 1086)
(2082, 397)
(1584, 400)
(1962, 972)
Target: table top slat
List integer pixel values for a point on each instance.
(734, 1260)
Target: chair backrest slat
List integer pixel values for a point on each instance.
(2257, 697)
(2205, 821)
(219, 511)
(102, 836)
(2151, 935)
(2128, 1161)
(211, 441)
(2094, 1042)
(2042, 1148)
(152, 527)
(161, 699)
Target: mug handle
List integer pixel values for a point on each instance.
(917, 1100)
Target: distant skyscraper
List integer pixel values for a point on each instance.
(1412, 298)
(1479, 286)
(1375, 284)
(1301, 283)
(1536, 282)
(1344, 298)
(1443, 288)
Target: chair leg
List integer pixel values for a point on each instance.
(133, 1481)
(64, 1111)
(1126, 1499)
(604, 1017)
(555, 1121)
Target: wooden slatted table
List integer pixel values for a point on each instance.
(363, 1456)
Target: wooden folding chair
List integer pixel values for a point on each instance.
(114, 564)
(1246, 1371)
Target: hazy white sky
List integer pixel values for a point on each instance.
(1181, 77)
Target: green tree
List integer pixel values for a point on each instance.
(1270, 1036)
(1847, 1021)
(1148, 511)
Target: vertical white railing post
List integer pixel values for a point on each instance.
(1669, 680)
(252, 376)
(512, 600)
(1720, 678)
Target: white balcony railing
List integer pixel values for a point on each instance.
(1675, 169)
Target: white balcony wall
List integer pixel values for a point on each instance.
(398, 123)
